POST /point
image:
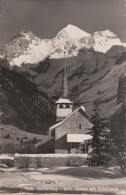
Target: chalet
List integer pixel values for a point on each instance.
(70, 134)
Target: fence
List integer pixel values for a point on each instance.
(7, 160)
(48, 160)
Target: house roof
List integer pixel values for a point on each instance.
(60, 123)
(44, 142)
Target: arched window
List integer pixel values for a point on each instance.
(67, 106)
(61, 106)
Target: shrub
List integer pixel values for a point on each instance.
(7, 148)
(118, 156)
(17, 138)
(26, 148)
(24, 162)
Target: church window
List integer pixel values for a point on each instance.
(67, 106)
(79, 126)
(61, 106)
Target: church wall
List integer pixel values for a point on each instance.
(46, 148)
(61, 145)
(77, 124)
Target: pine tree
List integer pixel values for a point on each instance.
(99, 155)
(118, 156)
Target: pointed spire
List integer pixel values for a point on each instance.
(64, 82)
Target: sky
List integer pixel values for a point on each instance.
(45, 18)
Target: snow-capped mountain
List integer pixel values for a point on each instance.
(71, 32)
(65, 41)
(27, 48)
(102, 41)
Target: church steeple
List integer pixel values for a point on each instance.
(64, 92)
(64, 105)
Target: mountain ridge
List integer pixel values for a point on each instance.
(27, 48)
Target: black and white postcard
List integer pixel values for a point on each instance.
(63, 97)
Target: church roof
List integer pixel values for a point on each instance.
(44, 142)
(58, 124)
(63, 100)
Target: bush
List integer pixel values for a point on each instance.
(26, 148)
(24, 162)
(7, 136)
(17, 138)
(34, 141)
(9, 148)
(118, 155)
(8, 162)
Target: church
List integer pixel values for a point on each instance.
(70, 134)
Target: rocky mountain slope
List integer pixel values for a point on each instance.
(23, 105)
(94, 64)
(91, 75)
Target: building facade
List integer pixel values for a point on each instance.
(71, 135)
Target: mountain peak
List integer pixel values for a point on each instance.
(106, 33)
(71, 31)
(25, 47)
(22, 32)
(104, 40)
(25, 35)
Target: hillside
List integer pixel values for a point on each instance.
(91, 75)
(23, 105)
(16, 134)
(13, 139)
